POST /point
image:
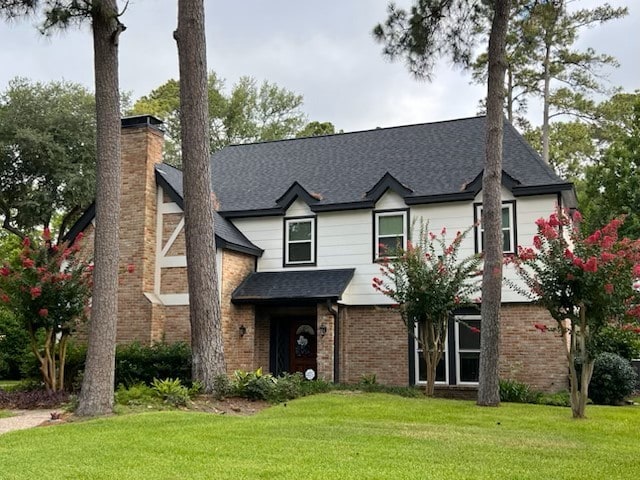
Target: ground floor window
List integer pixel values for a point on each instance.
(460, 362)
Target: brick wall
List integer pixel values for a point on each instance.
(239, 350)
(325, 351)
(373, 341)
(138, 318)
(528, 355)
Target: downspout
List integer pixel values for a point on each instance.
(336, 342)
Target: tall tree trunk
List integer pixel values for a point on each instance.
(204, 303)
(545, 107)
(488, 391)
(509, 94)
(96, 395)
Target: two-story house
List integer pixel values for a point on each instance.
(299, 226)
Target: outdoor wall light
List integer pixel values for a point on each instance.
(242, 330)
(322, 330)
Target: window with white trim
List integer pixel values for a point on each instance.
(442, 370)
(467, 330)
(508, 227)
(299, 248)
(463, 367)
(390, 232)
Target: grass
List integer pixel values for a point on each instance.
(337, 435)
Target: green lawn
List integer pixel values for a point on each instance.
(8, 383)
(337, 436)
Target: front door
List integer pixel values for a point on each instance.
(303, 347)
(293, 345)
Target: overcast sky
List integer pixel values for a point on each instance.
(322, 50)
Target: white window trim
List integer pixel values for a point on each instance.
(416, 352)
(466, 350)
(512, 231)
(376, 235)
(312, 241)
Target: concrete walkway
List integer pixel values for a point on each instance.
(23, 419)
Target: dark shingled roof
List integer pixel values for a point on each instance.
(292, 286)
(227, 235)
(424, 163)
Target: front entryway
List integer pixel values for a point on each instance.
(294, 346)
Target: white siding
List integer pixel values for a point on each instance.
(345, 239)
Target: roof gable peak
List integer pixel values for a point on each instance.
(297, 191)
(387, 182)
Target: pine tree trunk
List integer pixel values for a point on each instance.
(545, 108)
(96, 395)
(488, 391)
(204, 303)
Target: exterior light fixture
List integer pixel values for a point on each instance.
(322, 330)
(242, 330)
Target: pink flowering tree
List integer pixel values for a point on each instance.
(48, 288)
(429, 281)
(586, 283)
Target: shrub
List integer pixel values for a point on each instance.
(222, 387)
(517, 392)
(613, 379)
(138, 394)
(625, 343)
(171, 391)
(136, 363)
(559, 399)
(14, 346)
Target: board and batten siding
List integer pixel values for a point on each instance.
(345, 239)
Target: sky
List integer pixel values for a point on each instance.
(321, 50)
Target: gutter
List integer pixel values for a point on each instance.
(336, 342)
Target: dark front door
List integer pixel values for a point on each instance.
(293, 345)
(303, 347)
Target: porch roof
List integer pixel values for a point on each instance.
(293, 286)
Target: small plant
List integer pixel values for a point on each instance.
(222, 387)
(517, 392)
(171, 391)
(369, 379)
(613, 379)
(558, 399)
(138, 394)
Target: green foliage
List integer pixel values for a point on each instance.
(137, 363)
(612, 184)
(47, 287)
(259, 386)
(559, 399)
(254, 385)
(623, 342)
(613, 379)
(47, 154)
(14, 345)
(315, 129)
(248, 113)
(429, 283)
(222, 387)
(172, 391)
(136, 395)
(369, 379)
(517, 392)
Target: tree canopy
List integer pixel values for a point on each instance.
(47, 154)
(249, 112)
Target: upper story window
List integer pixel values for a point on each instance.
(508, 227)
(299, 242)
(390, 232)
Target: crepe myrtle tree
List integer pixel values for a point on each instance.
(586, 283)
(429, 283)
(48, 288)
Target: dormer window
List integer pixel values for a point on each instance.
(390, 232)
(299, 242)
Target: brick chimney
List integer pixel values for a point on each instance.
(139, 318)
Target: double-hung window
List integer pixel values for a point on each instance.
(508, 219)
(460, 361)
(390, 232)
(299, 243)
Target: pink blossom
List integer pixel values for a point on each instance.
(594, 238)
(541, 326)
(541, 222)
(5, 298)
(578, 262)
(26, 242)
(474, 329)
(444, 231)
(608, 288)
(568, 254)
(591, 265)
(5, 272)
(570, 277)
(636, 270)
(607, 257)
(28, 263)
(537, 242)
(46, 235)
(43, 312)
(35, 292)
(577, 216)
(553, 220)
